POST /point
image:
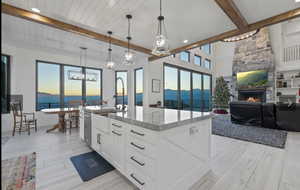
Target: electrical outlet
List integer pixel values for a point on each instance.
(193, 130)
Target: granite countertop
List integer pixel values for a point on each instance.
(159, 119)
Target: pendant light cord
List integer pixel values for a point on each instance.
(128, 34)
(160, 10)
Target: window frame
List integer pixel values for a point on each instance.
(209, 49)
(8, 83)
(189, 56)
(209, 60)
(62, 82)
(179, 107)
(200, 57)
(137, 69)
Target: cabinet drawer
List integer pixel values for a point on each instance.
(141, 146)
(100, 122)
(144, 134)
(144, 164)
(117, 125)
(143, 182)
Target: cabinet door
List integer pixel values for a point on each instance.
(117, 147)
(105, 145)
(95, 140)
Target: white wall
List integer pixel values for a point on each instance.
(23, 58)
(224, 52)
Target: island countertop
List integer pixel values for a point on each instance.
(159, 119)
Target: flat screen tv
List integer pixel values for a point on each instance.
(252, 79)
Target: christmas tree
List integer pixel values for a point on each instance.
(222, 95)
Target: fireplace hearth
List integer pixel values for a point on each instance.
(253, 95)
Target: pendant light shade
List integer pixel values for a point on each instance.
(128, 53)
(161, 45)
(109, 62)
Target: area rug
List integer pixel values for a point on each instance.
(19, 173)
(90, 165)
(4, 140)
(221, 125)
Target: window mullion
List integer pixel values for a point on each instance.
(62, 86)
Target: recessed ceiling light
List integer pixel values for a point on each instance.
(297, 1)
(185, 41)
(35, 10)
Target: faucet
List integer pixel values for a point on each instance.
(123, 93)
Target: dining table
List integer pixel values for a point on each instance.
(61, 112)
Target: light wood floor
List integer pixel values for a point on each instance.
(236, 165)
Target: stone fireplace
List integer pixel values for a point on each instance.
(254, 53)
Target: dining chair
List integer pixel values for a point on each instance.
(22, 121)
(73, 118)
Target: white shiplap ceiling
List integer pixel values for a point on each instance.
(185, 19)
(256, 10)
(25, 33)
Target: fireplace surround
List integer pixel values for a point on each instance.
(259, 95)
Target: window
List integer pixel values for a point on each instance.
(171, 87)
(5, 83)
(197, 91)
(72, 88)
(186, 89)
(48, 85)
(119, 87)
(207, 63)
(53, 92)
(206, 104)
(138, 86)
(206, 48)
(185, 56)
(197, 60)
(93, 86)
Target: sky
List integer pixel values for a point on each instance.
(48, 81)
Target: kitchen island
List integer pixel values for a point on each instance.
(156, 149)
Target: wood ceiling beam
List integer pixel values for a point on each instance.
(231, 10)
(27, 15)
(257, 25)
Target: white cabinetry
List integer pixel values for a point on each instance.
(172, 159)
(118, 133)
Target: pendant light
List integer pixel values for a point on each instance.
(128, 53)
(161, 46)
(75, 74)
(84, 49)
(109, 62)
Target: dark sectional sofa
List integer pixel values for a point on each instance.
(268, 115)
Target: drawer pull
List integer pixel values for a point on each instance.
(116, 133)
(137, 146)
(140, 163)
(141, 134)
(119, 126)
(137, 180)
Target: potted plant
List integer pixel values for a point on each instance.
(221, 96)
